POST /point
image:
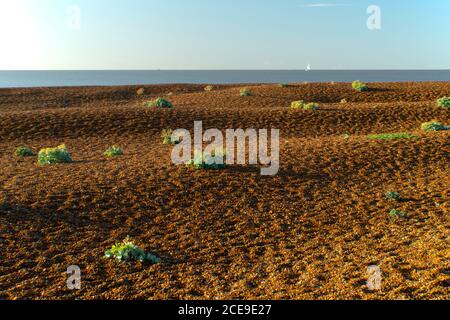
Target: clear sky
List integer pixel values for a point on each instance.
(223, 34)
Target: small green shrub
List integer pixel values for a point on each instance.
(245, 92)
(23, 152)
(392, 195)
(359, 86)
(283, 85)
(443, 102)
(305, 106)
(394, 213)
(59, 154)
(392, 136)
(166, 135)
(203, 162)
(127, 251)
(158, 103)
(113, 151)
(434, 126)
(311, 106)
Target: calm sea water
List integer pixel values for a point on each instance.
(11, 79)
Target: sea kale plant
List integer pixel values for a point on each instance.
(394, 213)
(207, 162)
(245, 92)
(59, 154)
(392, 195)
(168, 139)
(113, 151)
(359, 86)
(158, 103)
(127, 251)
(305, 106)
(392, 136)
(23, 152)
(443, 102)
(434, 126)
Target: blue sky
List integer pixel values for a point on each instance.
(223, 34)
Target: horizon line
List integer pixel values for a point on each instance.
(303, 70)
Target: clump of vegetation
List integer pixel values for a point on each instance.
(113, 151)
(359, 86)
(158, 103)
(443, 102)
(393, 195)
(245, 92)
(202, 162)
(283, 85)
(23, 152)
(140, 92)
(344, 101)
(392, 136)
(209, 88)
(394, 213)
(434, 126)
(166, 135)
(59, 154)
(305, 106)
(311, 106)
(346, 136)
(127, 251)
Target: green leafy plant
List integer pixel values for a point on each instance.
(392, 195)
(443, 102)
(23, 152)
(166, 135)
(127, 251)
(245, 92)
(283, 85)
(113, 151)
(394, 213)
(59, 154)
(203, 162)
(311, 106)
(392, 136)
(359, 86)
(305, 106)
(158, 103)
(209, 88)
(434, 126)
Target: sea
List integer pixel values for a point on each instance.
(23, 79)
